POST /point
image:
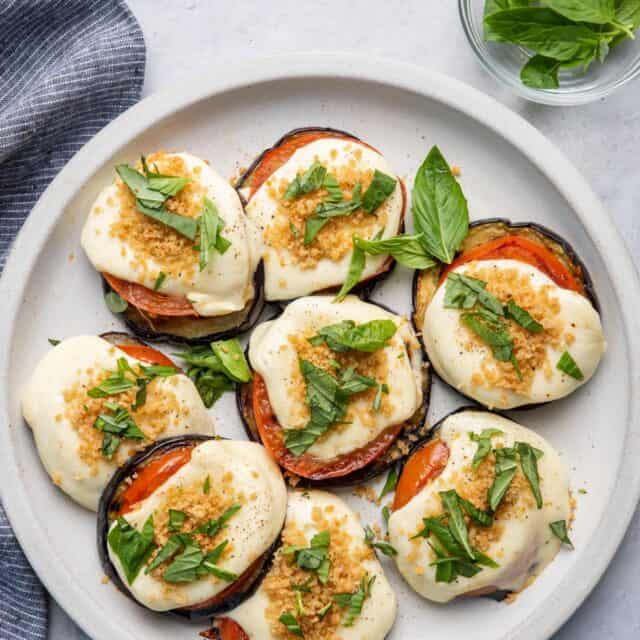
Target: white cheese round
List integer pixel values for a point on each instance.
(379, 609)
(226, 283)
(250, 532)
(274, 357)
(526, 545)
(43, 407)
(446, 341)
(284, 279)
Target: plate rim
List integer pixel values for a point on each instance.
(450, 93)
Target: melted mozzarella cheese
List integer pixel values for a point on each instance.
(284, 279)
(250, 532)
(379, 609)
(226, 283)
(274, 357)
(43, 407)
(446, 341)
(526, 545)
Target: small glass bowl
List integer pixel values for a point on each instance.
(504, 62)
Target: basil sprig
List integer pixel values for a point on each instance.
(384, 547)
(132, 547)
(354, 602)
(568, 365)
(349, 336)
(215, 368)
(314, 557)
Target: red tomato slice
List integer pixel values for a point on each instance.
(306, 465)
(518, 248)
(153, 475)
(146, 354)
(274, 158)
(152, 302)
(424, 465)
(231, 630)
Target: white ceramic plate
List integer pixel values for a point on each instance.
(508, 169)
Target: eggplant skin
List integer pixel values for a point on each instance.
(108, 503)
(201, 330)
(425, 282)
(415, 431)
(365, 288)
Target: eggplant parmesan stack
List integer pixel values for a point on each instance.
(176, 251)
(93, 401)
(325, 581)
(339, 391)
(189, 524)
(480, 509)
(513, 321)
(309, 195)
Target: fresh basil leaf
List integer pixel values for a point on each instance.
(462, 292)
(493, 334)
(232, 359)
(484, 445)
(184, 567)
(541, 73)
(334, 192)
(139, 186)
(384, 547)
(390, 483)
(187, 227)
(167, 185)
(559, 530)
(132, 547)
(329, 209)
(628, 13)
(311, 180)
(356, 269)
(543, 31)
(354, 601)
(115, 303)
(209, 223)
(434, 526)
(483, 518)
(506, 468)
(439, 208)
(593, 11)
(367, 337)
(352, 382)
(118, 423)
(110, 444)
(491, 6)
(173, 545)
(529, 464)
(291, 623)
(522, 317)
(214, 526)
(176, 520)
(457, 524)
(407, 250)
(381, 187)
(210, 386)
(568, 365)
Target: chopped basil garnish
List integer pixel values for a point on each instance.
(329, 209)
(210, 224)
(377, 401)
(311, 180)
(440, 210)
(192, 563)
(172, 546)
(323, 612)
(386, 514)
(116, 426)
(463, 292)
(390, 483)
(176, 520)
(187, 227)
(206, 487)
(506, 467)
(115, 303)
(568, 365)
(384, 547)
(522, 317)
(291, 623)
(457, 524)
(483, 518)
(54, 342)
(356, 268)
(184, 566)
(529, 464)
(381, 187)
(346, 335)
(132, 547)
(214, 526)
(162, 276)
(314, 557)
(353, 602)
(484, 444)
(559, 530)
(305, 587)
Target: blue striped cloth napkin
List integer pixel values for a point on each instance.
(68, 67)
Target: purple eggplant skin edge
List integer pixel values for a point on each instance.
(257, 305)
(370, 471)
(103, 524)
(363, 289)
(587, 282)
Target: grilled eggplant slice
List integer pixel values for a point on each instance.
(411, 431)
(195, 330)
(274, 157)
(161, 460)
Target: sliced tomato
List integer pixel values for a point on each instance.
(146, 354)
(274, 158)
(230, 630)
(516, 247)
(422, 467)
(152, 302)
(306, 465)
(152, 476)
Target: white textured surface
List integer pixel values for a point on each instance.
(185, 36)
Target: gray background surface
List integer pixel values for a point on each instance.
(191, 36)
